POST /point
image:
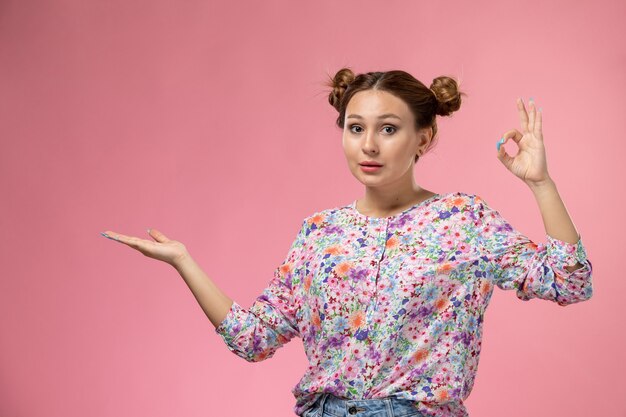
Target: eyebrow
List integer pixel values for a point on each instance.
(382, 116)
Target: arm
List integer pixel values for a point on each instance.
(532, 270)
(212, 300)
(557, 271)
(253, 334)
(556, 220)
(256, 333)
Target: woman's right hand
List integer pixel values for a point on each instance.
(162, 248)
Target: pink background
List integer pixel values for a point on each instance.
(209, 122)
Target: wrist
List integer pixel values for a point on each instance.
(539, 186)
(182, 260)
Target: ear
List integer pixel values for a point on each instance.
(428, 133)
(425, 135)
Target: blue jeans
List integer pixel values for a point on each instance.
(327, 405)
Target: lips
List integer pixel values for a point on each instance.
(370, 164)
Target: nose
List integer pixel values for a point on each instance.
(370, 144)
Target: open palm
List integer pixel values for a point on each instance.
(161, 248)
(530, 163)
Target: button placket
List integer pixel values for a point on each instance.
(380, 242)
(382, 245)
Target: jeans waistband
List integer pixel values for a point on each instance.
(331, 405)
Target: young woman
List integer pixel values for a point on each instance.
(388, 292)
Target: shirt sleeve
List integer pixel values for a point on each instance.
(532, 270)
(255, 334)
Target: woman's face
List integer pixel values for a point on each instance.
(380, 127)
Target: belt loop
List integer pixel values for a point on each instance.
(322, 402)
(389, 404)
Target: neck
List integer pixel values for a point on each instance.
(381, 201)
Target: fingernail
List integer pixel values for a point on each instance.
(531, 99)
(499, 143)
(107, 236)
(540, 108)
(148, 230)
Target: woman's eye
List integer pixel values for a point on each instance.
(359, 127)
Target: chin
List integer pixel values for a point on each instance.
(372, 182)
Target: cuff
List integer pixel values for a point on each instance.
(232, 323)
(565, 253)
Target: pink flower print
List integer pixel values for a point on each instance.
(351, 369)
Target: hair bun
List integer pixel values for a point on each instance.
(446, 90)
(339, 84)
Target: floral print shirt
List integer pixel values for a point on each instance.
(394, 306)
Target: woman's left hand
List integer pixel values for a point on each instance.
(530, 162)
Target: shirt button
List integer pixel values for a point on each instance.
(352, 410)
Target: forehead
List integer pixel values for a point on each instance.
(371, 103)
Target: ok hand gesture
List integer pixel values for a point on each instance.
(530, 163)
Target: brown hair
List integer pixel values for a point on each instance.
(442, 98)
